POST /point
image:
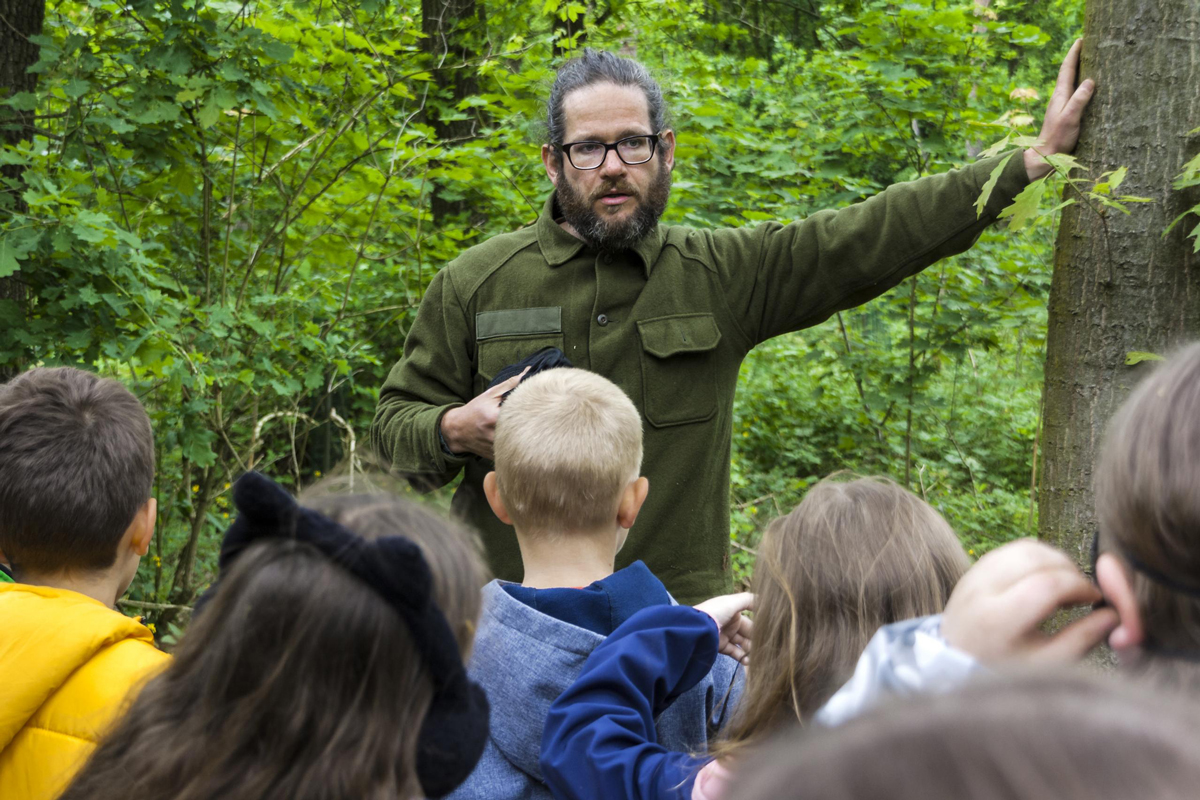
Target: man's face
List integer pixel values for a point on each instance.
(613, 206)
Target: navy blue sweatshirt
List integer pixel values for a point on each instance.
(599, 741)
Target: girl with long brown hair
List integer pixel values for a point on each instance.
(327, 664)
(856, 554)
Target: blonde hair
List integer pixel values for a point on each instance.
(568, 442)
(1148, 509)
(857, 553)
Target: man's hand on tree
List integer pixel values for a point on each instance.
(1060, 128)
(996, 612)
(472, 428)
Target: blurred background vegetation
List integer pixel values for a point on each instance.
(234, 207)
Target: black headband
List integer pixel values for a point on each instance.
(455, 729)
(1154, 574)
(1162, 579)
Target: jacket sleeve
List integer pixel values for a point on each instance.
(903, 658)
(433, 376)
(599, 740)
(781, 278)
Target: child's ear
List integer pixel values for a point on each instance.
(631, 502)
(142, 530)
(491, 491)
(1117, 586)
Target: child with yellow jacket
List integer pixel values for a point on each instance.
(76, 516)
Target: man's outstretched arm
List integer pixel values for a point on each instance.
(780, 278)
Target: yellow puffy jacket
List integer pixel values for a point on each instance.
(68, 664)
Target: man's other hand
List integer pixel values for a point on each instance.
(1060, 128)
(996, 611)
(472, 428)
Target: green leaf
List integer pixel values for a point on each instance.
(1190, 175)
(985, 193)
(8, 258)
(1025, 205)
(76, 88)
(1138, 356)
(22, 101)
(209, 113)
(1110, 185)
(278, 51)
(10, 156)
(16, 244)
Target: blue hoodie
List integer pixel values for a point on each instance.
(532, 644)
(600, 740)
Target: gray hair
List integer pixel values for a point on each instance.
(599, 66)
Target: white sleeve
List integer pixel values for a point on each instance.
(903, 658)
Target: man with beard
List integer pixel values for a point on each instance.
(665, 312)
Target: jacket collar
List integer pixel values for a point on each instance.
(559, 247)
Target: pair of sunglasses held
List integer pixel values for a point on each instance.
(455, 729)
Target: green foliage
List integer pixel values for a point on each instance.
(228, 206)
(1187, 179)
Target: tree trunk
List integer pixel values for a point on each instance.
(1119, 285)
(447, 27)
(19, 19)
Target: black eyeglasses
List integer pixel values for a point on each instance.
(632, 150)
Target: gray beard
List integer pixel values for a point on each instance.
(614, 237)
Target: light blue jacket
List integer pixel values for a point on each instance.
(524, 659)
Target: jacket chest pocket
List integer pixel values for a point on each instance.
(678, 373)
(505, 337)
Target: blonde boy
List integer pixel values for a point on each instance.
(568, 453)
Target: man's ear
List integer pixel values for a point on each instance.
(666, 142)
(491, 490)
(141, 531)
(552, 163)
(631, 502)
(1117, 586)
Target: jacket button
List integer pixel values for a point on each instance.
(602, 319)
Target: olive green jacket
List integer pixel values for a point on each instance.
(669, 322)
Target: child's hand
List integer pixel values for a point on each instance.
(734, 629)
(996, 611)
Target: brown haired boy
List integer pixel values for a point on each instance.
(76, 516)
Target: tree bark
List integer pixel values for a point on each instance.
(447, 27)
(19, 20)
(1119, 285)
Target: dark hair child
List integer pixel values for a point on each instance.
(76, 516)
